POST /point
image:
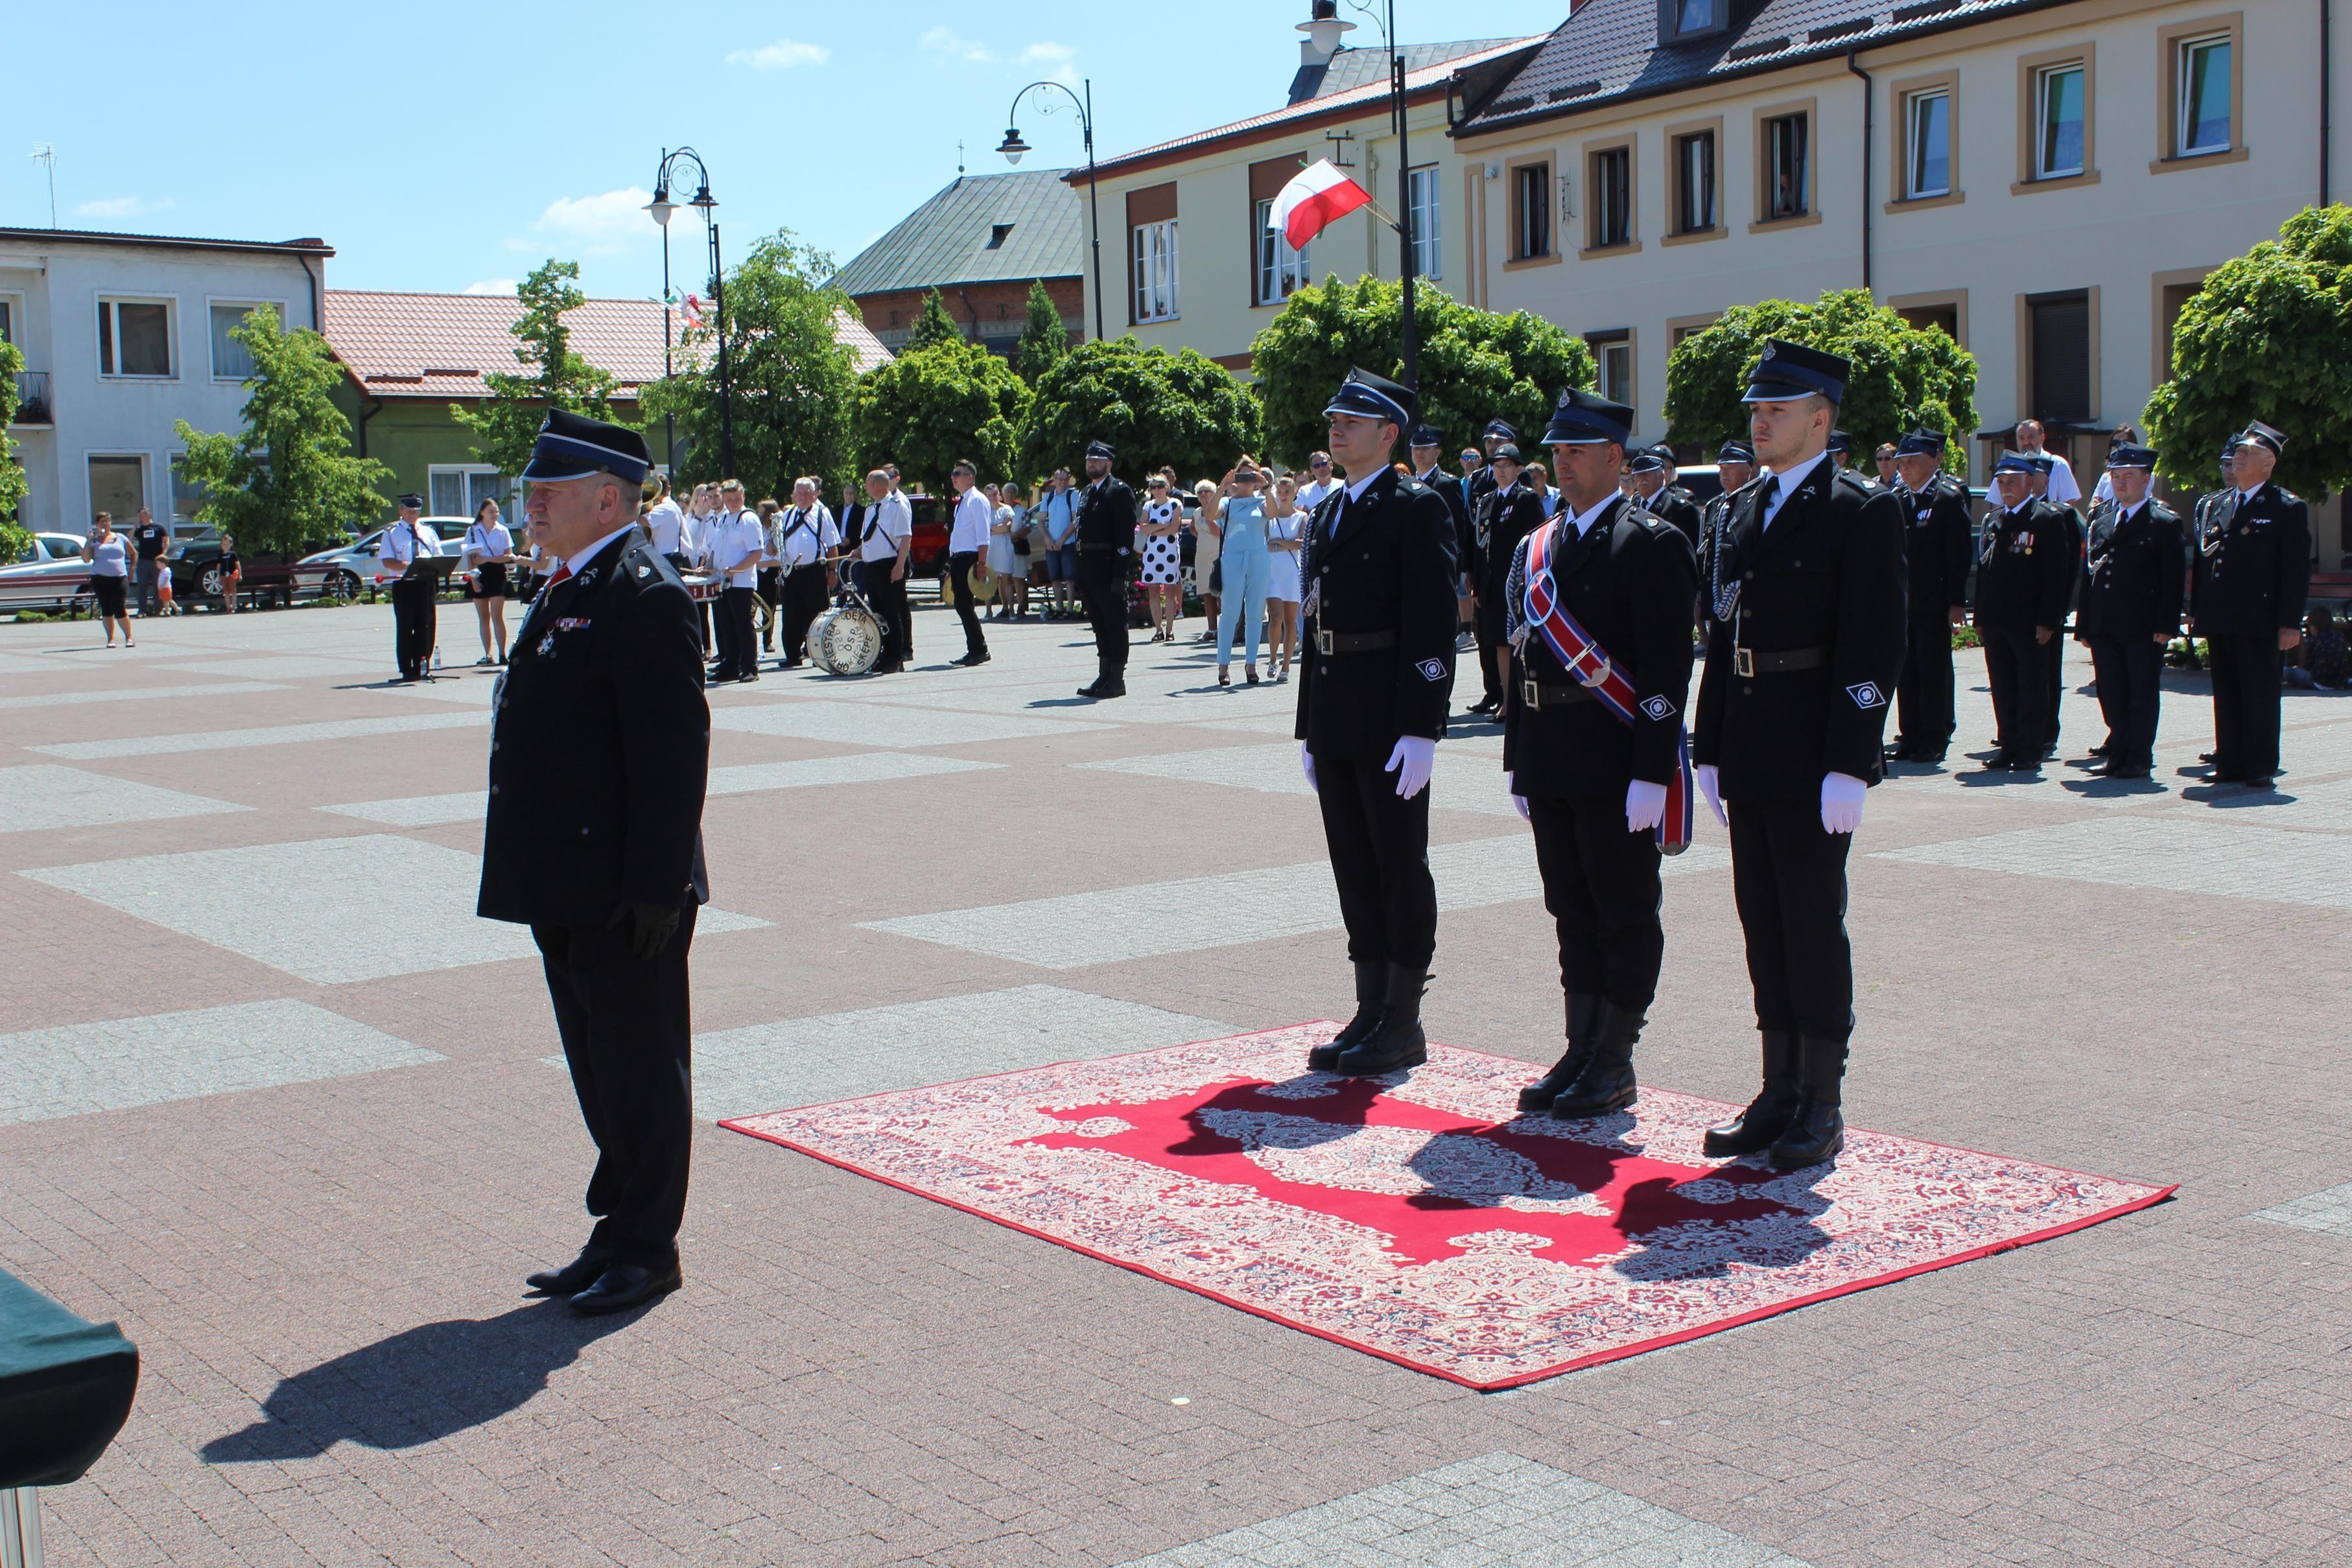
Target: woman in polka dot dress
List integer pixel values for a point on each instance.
(1162, 575)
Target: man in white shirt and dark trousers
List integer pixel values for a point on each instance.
(665, 525)
(805, 535)
(885, 542)
(407, 544)
(737, 545)
(967, 539)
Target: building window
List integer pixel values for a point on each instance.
(1280, 268)
(134, 338)
(1928, 144)
(2202, 91)
(997, 234)
(1612, 354)
(1421, 184)
(1680, 19)
(188, 496)
(8, 322)
(2059, 350)
(1945, 317)
(456, 490)
(1610, 204)
(1695, 201)
(231, 361)
(1155, 271)
(2060, 105)
(1788, 169)
(117, 486)
(1530, 211)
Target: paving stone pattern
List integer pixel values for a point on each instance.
(43, 795)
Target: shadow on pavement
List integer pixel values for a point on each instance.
(421, 1385)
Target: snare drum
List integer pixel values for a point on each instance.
(844, 641)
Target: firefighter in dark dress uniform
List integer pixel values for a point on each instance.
(2060, 519)
(599, 756)
(1105, 537)
(1735, 465)
(2131, 609)
(1507, 514)
(1653, 470)
(1805, 643)
(2024, 568)
(2253, 572)
(1937, 548)
(1373, 690)
(1593, 788)
(1472, 561)
(1428, 444)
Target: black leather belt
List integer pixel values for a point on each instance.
(1539, 697)
(1097, 549)
(1749, 661)
(1352, 641)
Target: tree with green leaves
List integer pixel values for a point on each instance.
(1904, 376)
(14, 539)
(1475, 365)
(287, 482)
(793, 378)
(929, 407)
(1152, 406)
(507, 424)
(1043, 340)
(2263, 337)
(933, 325)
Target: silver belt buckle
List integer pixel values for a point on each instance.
(1531, 693)
(1322, 641)
(1743, 662)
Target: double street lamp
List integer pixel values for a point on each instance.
(661, 207)
(1014, 147)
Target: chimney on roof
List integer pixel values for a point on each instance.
(1324, 30)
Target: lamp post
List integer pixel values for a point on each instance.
(1397, 107)
(1014, 147)
(661, 207)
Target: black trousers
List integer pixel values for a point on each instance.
(413, 624)
(1924, 693)
(1102, 589)
(1486, 627)
(2130, 675)
(2017, 668)
(1380, 858)
(1788, 879)
(960, 567)
(2053, 676)
(2245, 705)
(626, 1038)
(803, 602)
(887, 596)
(739, 646)
(1601, 885)
(771, 590)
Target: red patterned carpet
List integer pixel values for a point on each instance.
(1419, 1218)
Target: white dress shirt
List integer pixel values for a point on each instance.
(888, 523)
(802, 536)
(1582, 521)
(973, 517)
(2062, 487)
(488, 544)
(403, 542)
(1784, 484)
(736, 542)
(1311, 493)
(667, 524)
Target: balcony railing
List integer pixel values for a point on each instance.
(33, 398)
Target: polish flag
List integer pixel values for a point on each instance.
(1316, 197)
(692, 310)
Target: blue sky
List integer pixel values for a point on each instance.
(443, 146)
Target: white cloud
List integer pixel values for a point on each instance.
(939, 41)
(120, 207)
(490, 286)
(599, 225)
(1046, 54)
(782, 55)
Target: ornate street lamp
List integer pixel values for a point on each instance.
(661, 207)
(1012, 147)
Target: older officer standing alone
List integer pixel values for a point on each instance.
(1936, 549)
(1379, 612)
(599, 754)
(1105, 544)
(1807, 592)
(407, 546)
(2131, 607)
(2253, 571)
(2024, 566)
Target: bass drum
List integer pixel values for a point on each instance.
(845, 640)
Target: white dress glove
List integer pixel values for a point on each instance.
(1412, 761)
(1307, 766)
(1712, 790)
(1645, 806)
(1841, 802)
(1521, 803)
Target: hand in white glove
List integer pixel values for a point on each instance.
(1645, 806)
(1714, 792)
(1306, 765)
(1410, 761)
(1841, 802)
(1521, 803)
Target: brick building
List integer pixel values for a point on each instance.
(981, 242)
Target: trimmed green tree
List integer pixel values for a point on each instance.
(15, 537)
(929, 407)
(1904, 376)
(1152, 406)
(2263, 337)
(288, 481)
(792, 380)
(1043, 340)
(1475, 365)
(507, 424)
(933, 325)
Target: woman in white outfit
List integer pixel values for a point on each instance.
(1285, 533)
(1162, 572)
(488, 551)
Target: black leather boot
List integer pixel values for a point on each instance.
(1817, 1132)
(1582, 1010)
(1397, 1042)
(1325, 1057)
(1607, 1082)
(1767, 1115)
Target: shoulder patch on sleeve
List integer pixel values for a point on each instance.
(1431, 669)
(1658, 707)
(1866, 694)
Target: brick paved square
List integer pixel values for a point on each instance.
(2169, 853)
(245, 739)
(1464, 779)
(744, 778)
(2328, 1212)
(43, 795)
(866, 724)
(133, 693)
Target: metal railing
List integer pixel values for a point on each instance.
(33, 398)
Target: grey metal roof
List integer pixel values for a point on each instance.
(1352, 68)
(946, 240)
(1609, 49)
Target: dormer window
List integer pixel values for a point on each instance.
(1680, 19)
(996, 235)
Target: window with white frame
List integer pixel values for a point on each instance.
(1613, 355)
(1611, 202)
(1280, 268)
(2202, 91)
(134, 338)
(1422, 188)
(1694, 205)
(1154, 271)
(458, 489)
(1928, 144)
(232, 361)
(2060, 106)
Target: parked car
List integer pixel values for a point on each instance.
(49, 575)
(346, 572)
(264, 575)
